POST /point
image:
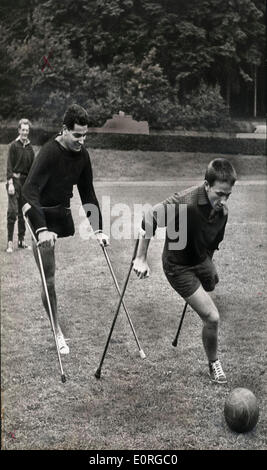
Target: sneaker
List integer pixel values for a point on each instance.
(217, 374)
(22, 244)
(9, 247)
(63, 347)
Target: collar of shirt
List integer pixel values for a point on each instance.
(23, 143)
(203, 200)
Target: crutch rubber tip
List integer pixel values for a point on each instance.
(174, 343)
(63, 378)
(142, 354)
(98, 374)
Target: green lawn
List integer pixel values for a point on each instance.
(138, 165)
(165, 401)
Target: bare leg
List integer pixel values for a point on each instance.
(202, 303)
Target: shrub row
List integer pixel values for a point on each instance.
(155, 142)
(179, 143)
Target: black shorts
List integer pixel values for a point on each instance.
(59, 220)
(187, 279)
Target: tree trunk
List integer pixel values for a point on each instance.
(228, 91)
(255, 92)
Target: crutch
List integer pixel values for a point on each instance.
(63, 377)
(174, 343)
(98, 371)
(141, 352)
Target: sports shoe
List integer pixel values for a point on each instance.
(22, 244)
(217, 374)
(63, 347)
(9, 247)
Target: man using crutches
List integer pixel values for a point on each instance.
(61, 163)
(189, 267)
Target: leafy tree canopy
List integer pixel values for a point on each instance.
(124, 50)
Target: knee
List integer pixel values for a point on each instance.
(11, 216)
(212, 319)
(50, 282)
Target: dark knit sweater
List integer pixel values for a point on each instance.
(50, 182)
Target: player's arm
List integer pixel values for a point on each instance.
(140, 265)
(35, 182)
(90, 202)
(158, 216)
(151, 220)
(147, 231)
(10, 184)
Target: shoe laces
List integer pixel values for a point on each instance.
(217, 369)
(61, 340)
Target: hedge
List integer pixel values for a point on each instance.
(229, 144)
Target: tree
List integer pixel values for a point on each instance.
(105, 52)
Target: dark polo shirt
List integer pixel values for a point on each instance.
(205, 230)
(20, 158)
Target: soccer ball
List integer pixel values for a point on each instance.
(241, 410)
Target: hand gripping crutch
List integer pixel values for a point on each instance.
(63, 377)
(174, 343)
(141, 352)
(98, 371)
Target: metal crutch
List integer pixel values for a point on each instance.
(98, 371)
(63, 377)
(141, 352)
(174, 343)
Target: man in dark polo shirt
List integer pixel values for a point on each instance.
(19, 161)
(188, 266)
(61, 163)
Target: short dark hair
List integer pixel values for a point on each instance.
(221, 170)
(75, 114)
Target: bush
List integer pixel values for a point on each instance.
(152, 142)
(140, 89)
(204, 109)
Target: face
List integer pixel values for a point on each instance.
(24, 131)
(218, 194)
(74, 138)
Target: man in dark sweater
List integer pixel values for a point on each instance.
(61, 163)
(188, 263)
(19, 161)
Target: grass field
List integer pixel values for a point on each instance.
(165, 401)
(136, 165)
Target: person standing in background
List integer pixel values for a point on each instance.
(19, 162)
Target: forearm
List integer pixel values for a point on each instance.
(9, 172)
(89, 200)
(32, 189)
(36, 217)
(142, 246)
